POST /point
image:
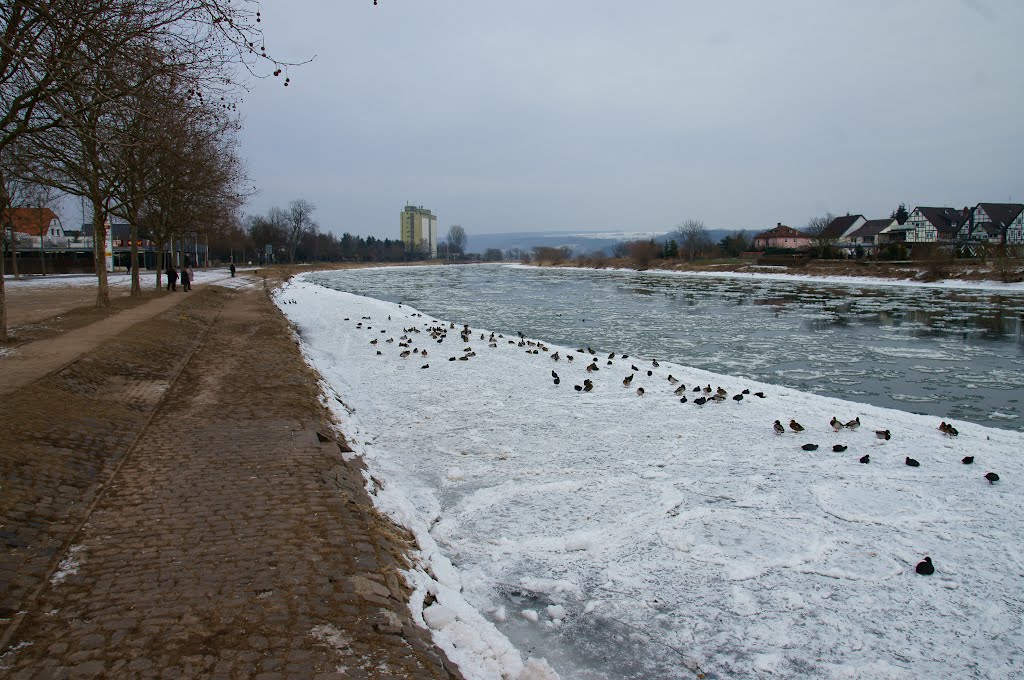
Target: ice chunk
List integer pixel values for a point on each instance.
(530, 614)
(538, 669)
(438, 616)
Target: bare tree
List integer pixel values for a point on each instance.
(817, 229)
(299, 222)
(692, 238)
(50, 49)
(643, 253)
(457, 240)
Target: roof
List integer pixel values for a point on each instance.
(32, 221)
(782, 231)
(945, 220)
(1003, 213)
(120, 231)
(839, 225)
(872, 228)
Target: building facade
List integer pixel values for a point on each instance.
(782, 237)
(419, 230)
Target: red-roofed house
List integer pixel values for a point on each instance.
(31, 224)
(782, 237)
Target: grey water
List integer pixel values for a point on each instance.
(954, 354)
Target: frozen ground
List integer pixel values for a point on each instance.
(626, 536)
(119, 279)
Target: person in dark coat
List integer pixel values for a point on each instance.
(232, 269)
(172, 277)
(185, 279)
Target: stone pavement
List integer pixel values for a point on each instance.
(168, 510)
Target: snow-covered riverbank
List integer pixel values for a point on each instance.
(621, 535)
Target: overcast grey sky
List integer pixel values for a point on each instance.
(528, 115)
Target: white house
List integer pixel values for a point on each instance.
(930, 225)
(995, 223)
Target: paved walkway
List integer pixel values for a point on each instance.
(168, 510)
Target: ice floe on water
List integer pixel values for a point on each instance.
(620, 535)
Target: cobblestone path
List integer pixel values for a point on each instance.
(168, 510)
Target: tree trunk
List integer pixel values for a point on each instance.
(14, 253)
(133, 266)
(42, 257)
(3, 299)
(99, 232)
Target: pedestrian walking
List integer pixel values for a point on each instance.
(172, 277)
(186, 278)
(191, 276)
(232, 270)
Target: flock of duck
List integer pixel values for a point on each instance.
(408, 348)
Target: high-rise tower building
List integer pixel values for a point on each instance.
(419, 230)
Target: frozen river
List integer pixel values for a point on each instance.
(955, 354)
(628, 533)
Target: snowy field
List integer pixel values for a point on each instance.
(627, 536)
(116, 280)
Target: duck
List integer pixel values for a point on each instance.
(745, 392)
(425, 366)
(700, 401)
(759, 395)
(578, 388)
(592, 367)
(655, 363)
(634, 368)
(853, 424)
(587, 385)
(628, 379)
(809, 447)
(967, 460)
(911, 462)
(737, 397)
(683, 400)
(948, 429)
(556, 356)
(639, 391)
(679, 390)
(612, 355)
(865, 459)
(672, 380)
(778, 427)
(405, 354)
(991, 477)
(795, 426)
(650, 373)
(696, 389)
(883, 434)
(836, 425)
(925, 567)
(718, 398)
(839, 448)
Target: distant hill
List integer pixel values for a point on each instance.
(579, 241)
